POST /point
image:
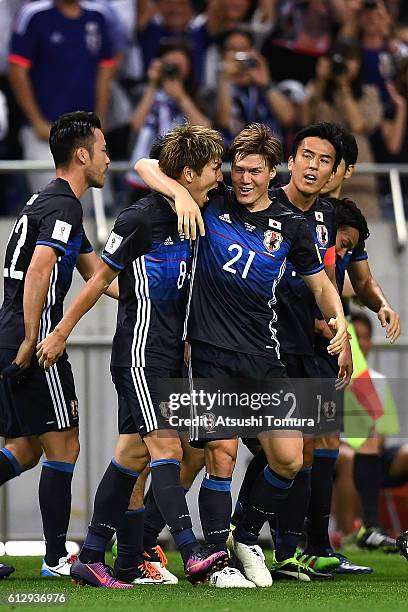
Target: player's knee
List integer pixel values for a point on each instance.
(26, 456)
(289, 467)
(221, 462)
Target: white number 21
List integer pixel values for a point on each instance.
(21, 226)
(228, 265)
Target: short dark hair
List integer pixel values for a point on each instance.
(325, 131)
(348, 214)
(71, 131)
(256, 139)
(188, 145)
(235, 31)
(349, 146)
(360, 317)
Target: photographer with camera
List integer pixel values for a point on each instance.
(338, 95)
(245, 93)
(170, 98)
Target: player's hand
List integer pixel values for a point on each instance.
(188, 216)
(42, 129)
(339, 326)
(50, 350)
(391, 321)
(25, 353)
(345, 367)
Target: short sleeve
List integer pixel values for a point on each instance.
(86, 246)
(63, 220)
(304, 253)
(359, 253)
(24, 40)
(106, 55)
(129, 239)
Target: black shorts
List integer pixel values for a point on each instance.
(37, 401)
(332, 406)
(209, 361)
(139, 407)
(319, 401)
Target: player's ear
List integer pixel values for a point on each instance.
(188, 174)
(82, 154)
(290, 163)
(349, 171)
(272, 173)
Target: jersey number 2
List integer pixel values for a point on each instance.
(228, 266)
(20, 226)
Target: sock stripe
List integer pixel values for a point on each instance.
(12, 459)
(123, 469)
(275, 480)
(60, 466)
(137, 511)
(326, 453)
(216, 485)
(158, 462)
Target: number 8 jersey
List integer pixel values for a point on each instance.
(236, 269)
(52, 218)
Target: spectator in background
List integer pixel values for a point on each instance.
(338, 95)
(163, 20)
(61, 59)
(390, 142)
(170, 98)
(295, 95)
(370, 23)
(245, 93)
(302, 32)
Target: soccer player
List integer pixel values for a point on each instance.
(40, 408)
(233, 323)
(153, 264)
(311, 167)
(355, 262)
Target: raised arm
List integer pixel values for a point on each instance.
(188, 212)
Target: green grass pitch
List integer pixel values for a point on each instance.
(386, 589)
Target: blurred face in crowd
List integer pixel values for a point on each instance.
(335, 182)
(375, 21)
(180, 60)
(364, 336)
(250, 178)
(96, 162)
(236, 10)
(238, 43)
(201, 184)
(346, 239)
(176, 14)
(312, 166)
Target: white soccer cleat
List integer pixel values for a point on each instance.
(253, 562)
(230, 578)
(63, 568)
(158, 559)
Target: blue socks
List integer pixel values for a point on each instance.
(9, 466)
(215, 506)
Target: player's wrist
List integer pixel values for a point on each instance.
(59, 331)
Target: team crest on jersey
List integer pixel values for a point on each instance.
(113, 243)
(322, 235)
(272, 240)
(319, 216)
(329, 410)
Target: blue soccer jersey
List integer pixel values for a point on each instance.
(154, 274)
(296, 303)
(236, 270)
(52, 218)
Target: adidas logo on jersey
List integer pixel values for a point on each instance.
(168, 241)
(225, 217)
(249, 227)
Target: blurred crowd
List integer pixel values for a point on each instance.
(146, 65)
